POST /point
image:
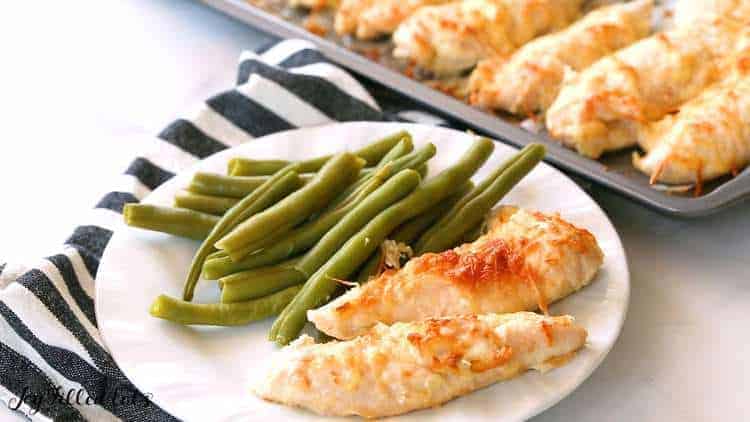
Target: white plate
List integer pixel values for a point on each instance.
(204, 373)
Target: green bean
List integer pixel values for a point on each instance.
(322, 284)
(259, 282)
(403, 147)
(416, 160)
(215, 205)
(453, 227)
(423, 169)
(371, 153)
(277, 187)
(220, 185)
(471, 195)
(179, 222)
(473, 234)
(224, 314)
(332, 179)
(297, 241)
(393, 190)
(229, 186)
(375, 151)
(409, 231)
(239, 166)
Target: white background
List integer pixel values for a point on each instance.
(78, 80)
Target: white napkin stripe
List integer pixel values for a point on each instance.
(285, 49)
(282, 102)
(218, 127)
(337, 76)
(84, 277)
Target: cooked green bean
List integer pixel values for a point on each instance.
(416, 160)
(259, 282)
(221, 185)
(224, 314)
(229, 186)
(392, 191)
(403, 147)
(246, 167)
(473, 234)
(471, 195)
(410, 231)
(371, 153)
(215, 205)
(453, 227)
(179, 222)
(333, 178)
(322, 284)
(375, 151)
(277, 187)
(297, 241)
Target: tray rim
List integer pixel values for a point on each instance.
(728, 194)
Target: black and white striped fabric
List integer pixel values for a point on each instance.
(53, 363)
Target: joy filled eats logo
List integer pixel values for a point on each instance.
(107, 397)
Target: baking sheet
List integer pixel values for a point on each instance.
(373, 60)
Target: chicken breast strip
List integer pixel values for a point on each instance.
(528, 81)
(601, 108)
(526, 260)
(708, 138)
(450, 38)
(368, 19)
(409, 366)
(688, 11)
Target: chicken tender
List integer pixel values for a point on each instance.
(409, 366)
(708, 138)
(526, 260)
(530, 79)
(368, 19)
(601, 108)
(450, 38)
(689, 11)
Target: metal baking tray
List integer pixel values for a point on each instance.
(613, 170)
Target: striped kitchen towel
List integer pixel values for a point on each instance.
(53, 363)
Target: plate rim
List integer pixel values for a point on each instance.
(551, 400)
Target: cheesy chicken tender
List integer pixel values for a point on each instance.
(689, 11)
(528, 81)
(368, 19)
(453, 37)
(526, 260)
(601, 108)
(709, 137)
(409, 366)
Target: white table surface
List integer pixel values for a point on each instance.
(80, 79)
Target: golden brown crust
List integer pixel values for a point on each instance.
(525, 261)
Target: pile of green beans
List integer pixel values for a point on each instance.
(322, 284)
(298, 240)
(277, 187)
(279, 235)
(248, 236)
